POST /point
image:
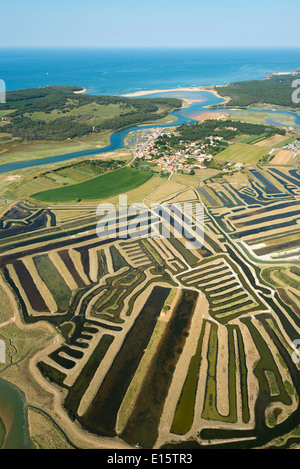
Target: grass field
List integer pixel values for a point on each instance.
(96, 111)
(276, 141)
(242, 153)
(285, 142)
(254, 139)
(17, 150)
(100, 187)
(39, 179)
(262, 118)
(54, 281)
(5, 112)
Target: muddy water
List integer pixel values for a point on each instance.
(13, 412)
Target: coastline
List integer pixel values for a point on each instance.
(208, 89)
(9, 166)
(136, 94)
(211, 89)
(84, 90)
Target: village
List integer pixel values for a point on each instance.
(185, 159)
(189, 157)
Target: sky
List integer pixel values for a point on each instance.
(150, 23)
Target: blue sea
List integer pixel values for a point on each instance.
(115, 72)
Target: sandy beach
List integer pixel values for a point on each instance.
(188, 102)
(144, 93)
(209, 89)
(84, 90)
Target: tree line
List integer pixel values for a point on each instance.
(63, 99)
(275, 90)
(226, 129)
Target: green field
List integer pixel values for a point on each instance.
(254, 138)
(100, 187)
(18, 150)
(5, 112)
(285, 142)
(242, 153)
(54, 281)
(95, 112)
(263, 117)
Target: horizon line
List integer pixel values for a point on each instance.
(148, 47)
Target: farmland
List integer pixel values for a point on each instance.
(137, 341)
(185, 313)
(101, 187)
(241, 152)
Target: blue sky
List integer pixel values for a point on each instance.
(150, 23)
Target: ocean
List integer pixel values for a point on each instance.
(116, 72)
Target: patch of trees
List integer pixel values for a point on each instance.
(275, 90)
(97, 166)
(214, 128)
(223, 128)
(58, 129)
(62, 99)
(126, 120)
(39, 99)
(213, 164)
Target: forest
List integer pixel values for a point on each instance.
(276, 90)
(226, 129)
(71, 122)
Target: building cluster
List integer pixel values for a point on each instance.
(232, 167)
(294, 146)
(190, 155)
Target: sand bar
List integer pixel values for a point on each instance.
(144, 92)
(208, 89)
(186, 102)
(209, 115)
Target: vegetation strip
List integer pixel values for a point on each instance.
(100, 187)
(109, 397)
(142, 426)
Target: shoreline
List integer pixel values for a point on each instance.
(84, 90)
(212, 90)
(186, 101)
(146, 92)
